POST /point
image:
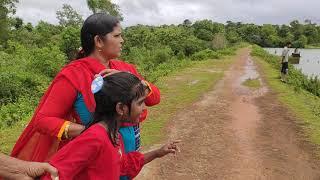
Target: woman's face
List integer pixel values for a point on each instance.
(113, 43)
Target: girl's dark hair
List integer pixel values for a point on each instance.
(98, 24)
(119, 87)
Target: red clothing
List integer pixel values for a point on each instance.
(39, 141)
(97, 159)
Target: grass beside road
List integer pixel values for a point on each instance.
(179, 90)
(303, 104)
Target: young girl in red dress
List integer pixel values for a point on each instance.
(98, 153)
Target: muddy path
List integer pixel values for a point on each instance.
(234, 132)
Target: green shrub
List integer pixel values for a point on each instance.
(47, 61)
(205, 54)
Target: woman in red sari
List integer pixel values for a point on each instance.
(67, 107)
(98, 153)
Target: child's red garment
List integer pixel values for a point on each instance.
(40, 140)
(93, 156)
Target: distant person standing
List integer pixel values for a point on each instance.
(284, 62)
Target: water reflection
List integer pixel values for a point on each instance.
(309, 61)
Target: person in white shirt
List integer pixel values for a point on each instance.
(284, 62)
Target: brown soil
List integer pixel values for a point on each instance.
(234, 132)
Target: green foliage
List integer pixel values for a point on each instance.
(47, 34)
(219, 41)
(10, 87)
(17, 111)
(205, 54)
(7, 7)
(69, 17)
(166, 68)
(205, 29)
(252, 83)
(210, 54)
(17, 22)
(301, 42)
(104, 6)
(70, 41)
(47, 61)
(187, 23)
(43, 34)
(268, 35)
(20, 88)
(233, 36)
(178, 38)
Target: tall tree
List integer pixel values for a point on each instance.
(297, 29)
(70, 41)
(187, 23)
(269, 35)
(104, 6)
(311, 32)
(219, 41)
(67, 16)
(16, 22)
(7, 7)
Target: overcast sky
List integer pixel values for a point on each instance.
(155, 12)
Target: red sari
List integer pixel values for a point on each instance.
(97, 159)
(41, 139)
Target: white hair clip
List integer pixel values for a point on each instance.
(97, 84)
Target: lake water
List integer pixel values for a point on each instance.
(309, 61)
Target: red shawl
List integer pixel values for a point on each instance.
(36, 146)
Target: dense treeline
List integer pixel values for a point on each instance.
(267, 35)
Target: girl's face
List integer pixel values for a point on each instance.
(137, 107)
(112, 44)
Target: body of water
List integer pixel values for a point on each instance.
(309, 61)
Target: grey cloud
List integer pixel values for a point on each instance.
(157, 12)
(36, 10)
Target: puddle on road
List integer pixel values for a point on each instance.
(250, 72)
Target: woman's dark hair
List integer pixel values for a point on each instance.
(98, 24)
(119, 87)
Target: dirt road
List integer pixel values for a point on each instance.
(234, 132)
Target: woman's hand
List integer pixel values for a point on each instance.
(75, 130)
(107, 72)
